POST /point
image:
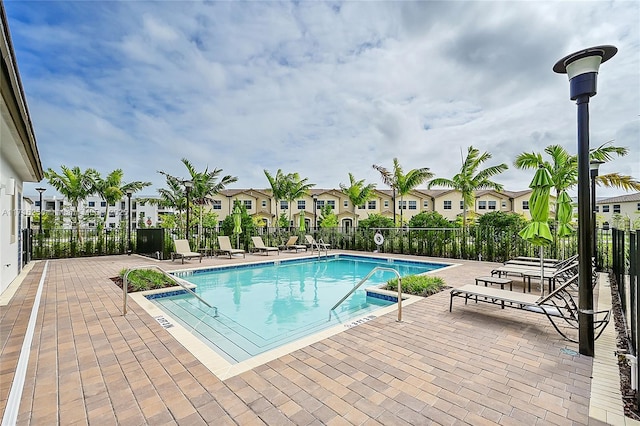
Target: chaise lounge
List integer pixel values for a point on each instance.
(559, 306)
(183, 251)
(258, 245)
(225, 247)
(291, 244)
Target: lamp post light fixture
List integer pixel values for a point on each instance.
(594, 165)
(40, 190)
(315, 216)
(187, 186)
(582, 69)
(129, 249)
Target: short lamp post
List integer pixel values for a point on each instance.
(315, 216)
(594, 165)
(40, 190)
(582, 69)
(187, 186)
(129, 249)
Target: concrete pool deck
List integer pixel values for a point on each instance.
(476, 365)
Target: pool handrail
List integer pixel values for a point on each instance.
(362, 281)
(125, 285)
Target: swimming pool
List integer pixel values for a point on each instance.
(263, 306)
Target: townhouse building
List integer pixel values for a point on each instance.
(614, 211)
(260, 204)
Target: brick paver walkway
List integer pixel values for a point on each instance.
(478, 365)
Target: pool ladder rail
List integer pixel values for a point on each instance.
(125, 285)
(320, 246)
(362, 281)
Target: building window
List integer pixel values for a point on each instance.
(525, 205)
(103, 204)
(402, 205)
(492, 205)
(482, 205)
(216, 204)
(605, 209)
(638, 207)
(37, 203)
(332, 204)
(425, 204)
(112, 204)
(284, 205)
(447, 205)
(92, 204)
(413, 205)
(320, 204)
(461, 204)
(616, 208)
(247, 204)
(92, 225)
(386, 203)
(362, 207)
(122, 205)
(112, 214)
(372, 205)
(504, 204)
(112, 225)
(264, 204)
(345, 203)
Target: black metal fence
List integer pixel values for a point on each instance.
(475, 243)
(626, 259)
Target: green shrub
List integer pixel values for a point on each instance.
(146, 279)
(419, 285)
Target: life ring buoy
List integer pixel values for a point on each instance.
(378, 239)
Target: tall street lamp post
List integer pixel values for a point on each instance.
(187, 186)
(129, 250)
(315, 217)
(40, 190)
(582, 70)
(594, 165)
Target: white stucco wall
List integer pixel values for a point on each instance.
(9, 226)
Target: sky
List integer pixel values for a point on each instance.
(320, 88)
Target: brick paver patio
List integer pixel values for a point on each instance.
(478, 365)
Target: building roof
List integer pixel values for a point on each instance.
(620, 199)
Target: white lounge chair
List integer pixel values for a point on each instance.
(317, 245)
(258, 245)
(291, 244)
(183, 251)
(225, 247)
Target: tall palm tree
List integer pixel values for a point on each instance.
(295, 188)
(470, 179)
(563, 167)
(111, 189)
(358, 193)
(75, 185)
(205, 185)
(278, 188)
(402, 183)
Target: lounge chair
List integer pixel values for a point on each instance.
(559, 306)
(183, 251)
(225, 247)
(317, 245)
(258, 245)
(291, 244)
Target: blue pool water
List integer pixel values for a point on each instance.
(264, 306)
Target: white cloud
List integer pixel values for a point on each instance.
(320, 88)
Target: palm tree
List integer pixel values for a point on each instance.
(358, 193)
(563, 167)
(205, 185)
(295, 188)
(111, 189)
(402, 183)
(277, 184)
(470, 179)
(75, 185)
